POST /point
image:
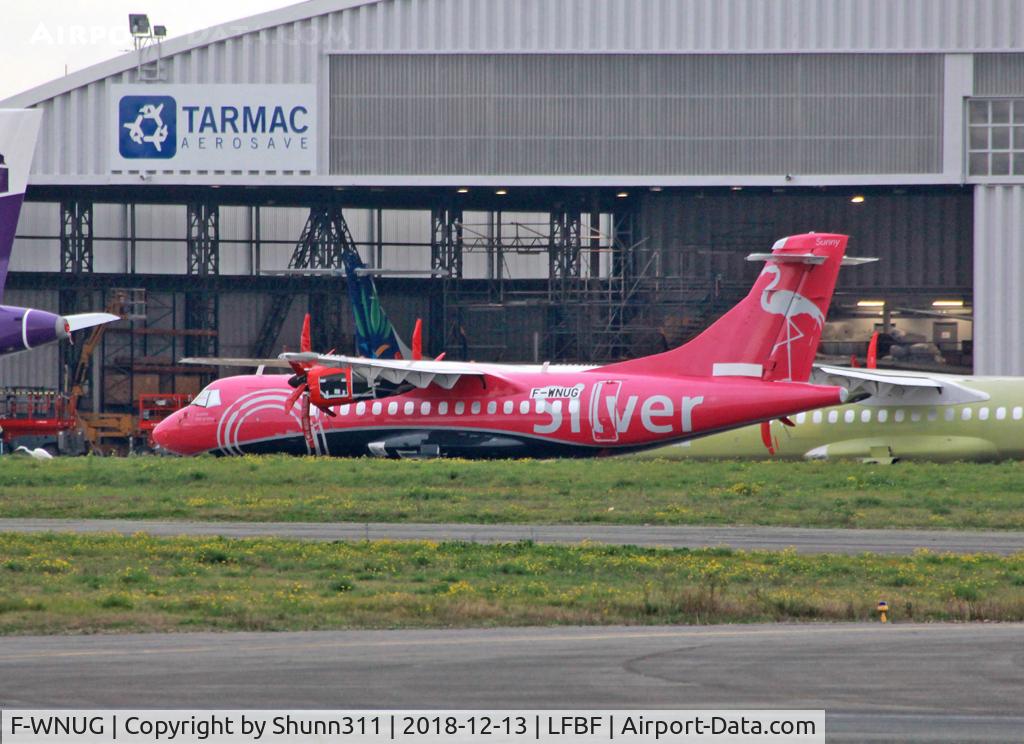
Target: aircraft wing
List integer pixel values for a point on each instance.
(887, 389)
(418, 373)
(235, 362)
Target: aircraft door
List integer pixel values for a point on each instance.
(604, 410)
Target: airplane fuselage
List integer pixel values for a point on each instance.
(989, 429)
(510, 414)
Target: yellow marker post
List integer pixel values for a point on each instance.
(883, 610)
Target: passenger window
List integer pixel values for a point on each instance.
(949, 414)
(801, 417)
(966, 413)
(344, 409)
(865, 416)
(475, 408)
(932, 414)
(833, 416)
(392, 408)
(460, 408)
(983, 413)
(899, 415)
(409, 408)
(442, 408)
(849, 416)
(816, 417)
(915, 416)
(492, 408)
(377, 408)
(425, 409)
(360, 409)
(1001, 413)
(883, 416)
(508, 407)
(524, 407)
(1017, 413)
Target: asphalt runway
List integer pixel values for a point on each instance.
(906, 683)
(804, 540)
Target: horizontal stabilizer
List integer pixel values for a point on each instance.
(82, 321)
(808, 258)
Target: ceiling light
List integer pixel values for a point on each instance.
(870, 303)
(858, 199)
(736, 188)
(501, 192)
(463, 190)
(655, 188)
(948, 303)
(622, 194)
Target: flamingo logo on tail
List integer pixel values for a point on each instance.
(789, 305)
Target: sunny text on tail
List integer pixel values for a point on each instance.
(773, 333)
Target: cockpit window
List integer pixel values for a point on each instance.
(207, 399)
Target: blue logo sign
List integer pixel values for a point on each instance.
(148, 127)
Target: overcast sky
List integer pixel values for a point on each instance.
(40, 38)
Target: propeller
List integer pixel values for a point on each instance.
(872, 360)
(771, 443)
(417, 340)
(300, 381)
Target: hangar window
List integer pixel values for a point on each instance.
(1000, 413)
(883, 416)
(849, 416)
(865, 416)
(507, 407)
(1017, 413)
(425, 408)
(995, 137)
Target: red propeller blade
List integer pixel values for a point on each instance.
(766, 436)
(290, 403)
(304, 343)
(873, 351)
(417, 340)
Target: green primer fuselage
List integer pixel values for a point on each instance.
(992, 429)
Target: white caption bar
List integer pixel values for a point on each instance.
(410, 726)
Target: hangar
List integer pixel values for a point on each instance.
(536, 179)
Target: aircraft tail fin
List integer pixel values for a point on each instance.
(773, 333)
(18, 132)
(376, 337)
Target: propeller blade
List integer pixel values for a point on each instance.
(307, 428)
(417, 340)
(872, 361)
(766, 436)
(290, 403)
(787, 421)
(304, 343)
(326, 409)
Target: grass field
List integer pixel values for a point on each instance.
(615, 490)
(76, 583)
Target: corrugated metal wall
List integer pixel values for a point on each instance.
(38, 368)
(923, 238)
(635, 115)
(998, 74)
(999, 275)
(74, 140)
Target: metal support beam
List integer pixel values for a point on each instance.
(201, 314)
(325, 239)
(76, 237)
(565, 314)
(203, 239)
(445, 324)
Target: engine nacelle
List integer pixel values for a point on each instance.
(24, 328)
(329, 386)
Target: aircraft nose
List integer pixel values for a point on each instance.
(169, 434)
